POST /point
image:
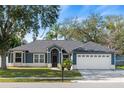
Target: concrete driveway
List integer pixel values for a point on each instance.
(102, 74)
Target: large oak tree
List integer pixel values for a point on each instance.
(20, 20)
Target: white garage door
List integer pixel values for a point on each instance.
(93, 61)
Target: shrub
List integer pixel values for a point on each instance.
(67, 64)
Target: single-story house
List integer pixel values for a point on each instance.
(51, 53)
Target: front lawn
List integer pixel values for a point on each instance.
(36, 72)
(120, 67)
(31, 80)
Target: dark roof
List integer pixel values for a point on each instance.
(93, 47)
(42, 45)
(68, 45)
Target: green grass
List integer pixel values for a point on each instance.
(36, 72)
(120, 67)
(31, 80)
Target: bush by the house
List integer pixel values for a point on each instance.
(67, 63)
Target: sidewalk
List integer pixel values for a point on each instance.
(107, 80)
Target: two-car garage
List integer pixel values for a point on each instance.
(94, 61)
(94, 56)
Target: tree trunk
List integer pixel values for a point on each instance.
(3, 61)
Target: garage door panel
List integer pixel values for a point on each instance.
(93, 61)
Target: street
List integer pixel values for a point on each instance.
(64, 85)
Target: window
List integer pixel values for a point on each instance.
(107, 56)
(91, 55)
(18, 57)
(39, 58)
(103, 56)
(42, 59)
(36, 58)
(83, 55)
(87, 55)
(79, 55)
(95, 55)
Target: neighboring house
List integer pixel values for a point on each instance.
(51, 53)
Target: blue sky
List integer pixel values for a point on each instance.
(82, 11)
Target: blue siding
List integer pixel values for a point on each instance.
(45, 57)
(49, 58)
(29, 57)
(23, 58)
(60, 57)
(10, 58)
(9, 61)
(113, 60)
(74, 58)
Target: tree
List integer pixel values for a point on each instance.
(92, 29)
(24, 42)
(53, 33)
(89, 29)
(49, 36)
(20, 20)
(68, 29)
(115, 32)
(15, 41)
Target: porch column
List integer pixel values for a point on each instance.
(48, 59)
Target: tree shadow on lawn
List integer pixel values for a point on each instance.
(36, 73)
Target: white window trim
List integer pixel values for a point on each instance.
(38, 58)
(14, 59)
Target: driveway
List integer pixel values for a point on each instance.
(102, 74)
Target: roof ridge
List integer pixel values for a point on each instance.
(56, 40)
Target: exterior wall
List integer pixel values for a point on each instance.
(74, 56)
(74, 59)
(28, 64)
(113, 59)
(29, 58)
(49, 55)
(27, 61)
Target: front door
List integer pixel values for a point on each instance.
(54, 57)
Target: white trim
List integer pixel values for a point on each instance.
(115, 59)
(28, 64)
(38, 57)
(14, 56)
(54, 48)
(61, 55)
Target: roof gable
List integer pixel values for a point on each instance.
(93, 47)
(42, 45)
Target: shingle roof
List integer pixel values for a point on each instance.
(91, 46)
(68, 45)
(42, 45)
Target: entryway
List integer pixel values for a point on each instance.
(54, 57)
